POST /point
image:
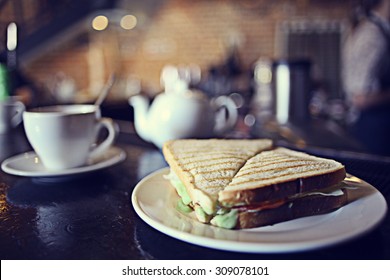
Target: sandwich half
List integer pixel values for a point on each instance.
(248, 183)
(280, 185)
(200, 169)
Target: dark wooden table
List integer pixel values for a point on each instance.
(92, 217)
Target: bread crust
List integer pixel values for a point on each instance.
(284, 189)
(306, 206)
(185, 177)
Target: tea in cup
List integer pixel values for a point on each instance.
(11, 111)
(65, 136)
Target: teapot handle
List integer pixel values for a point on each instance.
(224, 122)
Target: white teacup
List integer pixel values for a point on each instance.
(11, 112)
(64, 136)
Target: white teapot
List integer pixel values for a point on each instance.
(182, 113)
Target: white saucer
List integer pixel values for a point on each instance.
(29, 165)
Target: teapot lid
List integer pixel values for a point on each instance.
(180, 86)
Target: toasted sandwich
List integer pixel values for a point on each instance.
(248, 183)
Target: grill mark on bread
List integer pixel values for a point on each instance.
(256, 169)
(204, 179)
(268, 157)
(265, 161)
(256, 180)
(209, 165)
(195, 160)
(218, 153)
(220, 169)
(268, 163)
(247, 171)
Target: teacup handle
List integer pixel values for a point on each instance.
(226, 121)
(112, 132)
(18, 117)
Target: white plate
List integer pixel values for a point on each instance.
(29, 165)
(154, 200)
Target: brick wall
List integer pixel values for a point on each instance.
(185, 32)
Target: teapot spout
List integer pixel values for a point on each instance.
(141, 109)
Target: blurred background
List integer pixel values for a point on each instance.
(63, 51)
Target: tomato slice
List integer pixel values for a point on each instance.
(262, 206)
